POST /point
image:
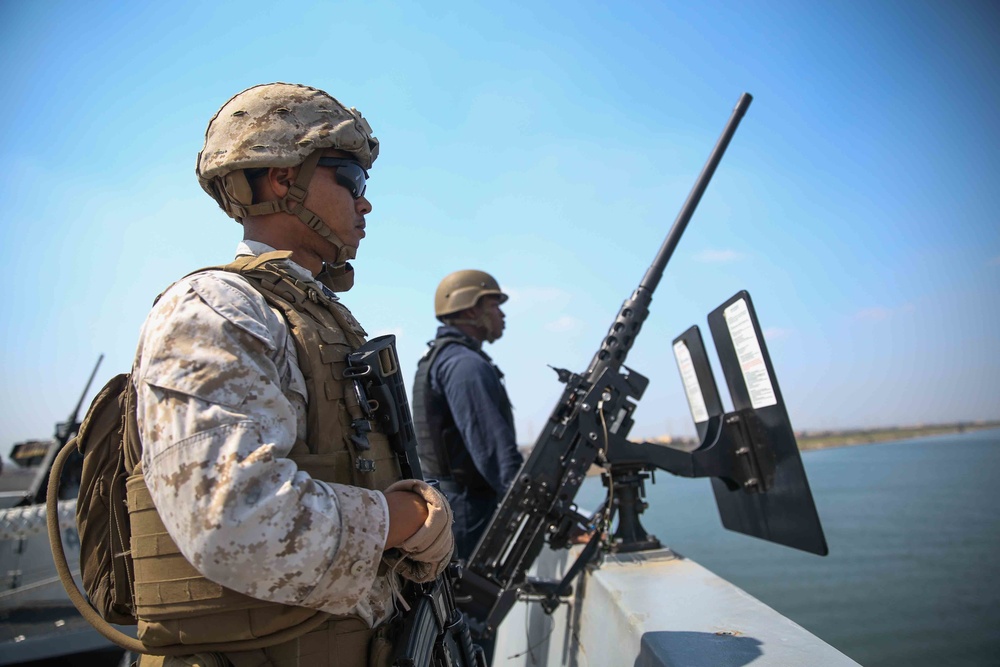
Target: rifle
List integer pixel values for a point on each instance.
(593, 414)
(434, 632)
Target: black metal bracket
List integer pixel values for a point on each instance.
(750, 453)
(552, 593)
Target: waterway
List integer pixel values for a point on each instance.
(913, 575)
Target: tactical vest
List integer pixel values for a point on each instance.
(443, 453)
(174, 603)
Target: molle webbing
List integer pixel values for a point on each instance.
(324, 332)
(175, 604)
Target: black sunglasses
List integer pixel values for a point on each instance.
(348, 173)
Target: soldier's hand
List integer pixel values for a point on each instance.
(407, 514)
(427, 550)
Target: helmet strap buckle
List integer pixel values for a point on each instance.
(296, 193)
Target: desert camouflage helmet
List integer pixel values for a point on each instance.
(463, 289)
(279, 125)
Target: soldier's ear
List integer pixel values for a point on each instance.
(280, 179)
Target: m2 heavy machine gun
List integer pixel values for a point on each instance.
(750, 454)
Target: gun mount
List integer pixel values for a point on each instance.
(750, 453)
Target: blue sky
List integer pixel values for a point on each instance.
(551, 144)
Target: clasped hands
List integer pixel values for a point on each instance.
(420, 540)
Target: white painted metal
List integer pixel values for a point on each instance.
(654, 609)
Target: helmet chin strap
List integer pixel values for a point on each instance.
(338, 277)
(483, 323)
(294, 203)
(487, 324)
(297, 193)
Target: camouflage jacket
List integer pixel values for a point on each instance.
(215, 447)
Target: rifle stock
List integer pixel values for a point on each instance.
(434, 631)
(539, 505)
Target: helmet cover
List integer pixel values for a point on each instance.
(279, 125)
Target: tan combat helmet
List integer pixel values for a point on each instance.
(279, 125)
(461, 290)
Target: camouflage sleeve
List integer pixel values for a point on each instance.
(217, 425)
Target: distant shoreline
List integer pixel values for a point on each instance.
(825, 439)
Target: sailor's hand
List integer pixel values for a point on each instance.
(425, 552)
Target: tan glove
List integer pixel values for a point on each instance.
(424, 555)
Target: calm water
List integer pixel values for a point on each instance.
(913, 575)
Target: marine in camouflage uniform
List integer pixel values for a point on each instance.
(256, 506)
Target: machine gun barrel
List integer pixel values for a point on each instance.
(64, 431)
(539, 504)
(615, 346)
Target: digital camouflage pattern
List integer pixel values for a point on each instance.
(221, 401)
(279, 125)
